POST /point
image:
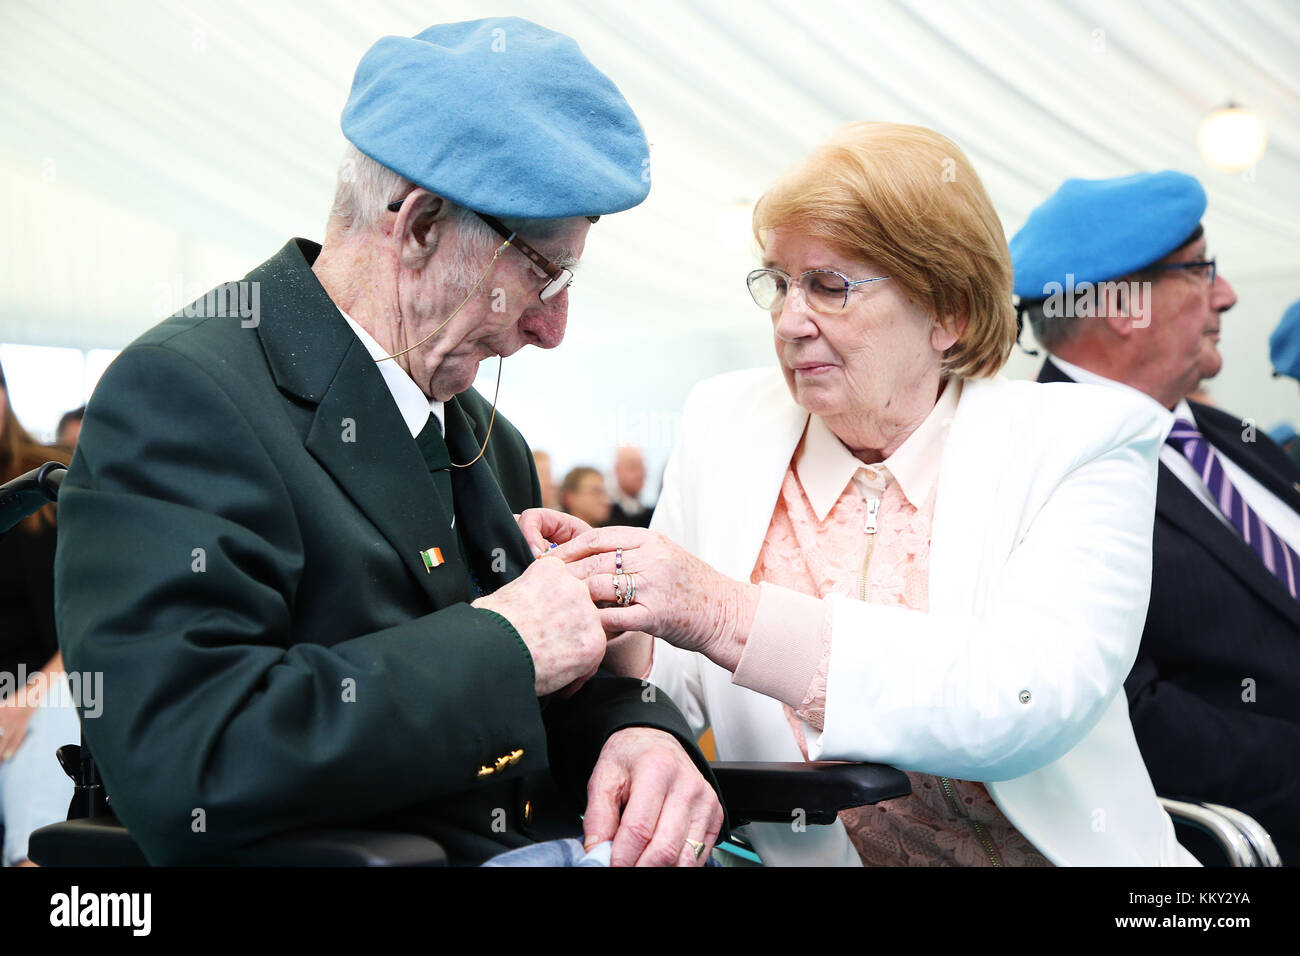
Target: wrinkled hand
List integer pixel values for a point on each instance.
(554, 615)
(648, 797)
(678, 597)
(14, 718)
(541, 526)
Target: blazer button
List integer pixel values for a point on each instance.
(528, 812)
(1024, 697)
(485, 771)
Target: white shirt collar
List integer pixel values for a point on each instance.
(1082, 375)
(413, 404)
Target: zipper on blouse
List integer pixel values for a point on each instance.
(980, 833)
(873, 509)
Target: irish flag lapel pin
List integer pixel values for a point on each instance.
(432, 558)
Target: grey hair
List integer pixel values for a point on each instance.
(364, 189)
(1056, 325)
(1052, 331)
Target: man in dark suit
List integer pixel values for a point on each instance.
(1114, 278)
(629, 481)
(288, 537)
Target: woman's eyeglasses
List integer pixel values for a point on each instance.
(825, 290)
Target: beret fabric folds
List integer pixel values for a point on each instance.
(502, 116)
(1284, 343)
(1099, 229)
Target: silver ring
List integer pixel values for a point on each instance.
(618, 560)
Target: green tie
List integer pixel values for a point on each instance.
(438, 459)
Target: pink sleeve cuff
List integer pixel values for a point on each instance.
(785, 645)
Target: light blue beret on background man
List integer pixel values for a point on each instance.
(320, 609)
(1284, 352)
(1119, 288)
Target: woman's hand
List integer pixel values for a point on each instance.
(541, 526)
(14, 717)
(677, 596)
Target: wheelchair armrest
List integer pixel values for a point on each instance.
(1265, 849)
(345, 848)
(86, 841)
(1224, 831)
(103, 841)
(772, 792)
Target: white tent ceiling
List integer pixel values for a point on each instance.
(152, 149)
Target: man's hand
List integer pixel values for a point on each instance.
(541, 527)
(553, 613)
(648, 797)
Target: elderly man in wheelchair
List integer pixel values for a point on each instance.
(293, 537)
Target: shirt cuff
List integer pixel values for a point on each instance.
(784, 647)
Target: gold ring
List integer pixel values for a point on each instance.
(697, 846)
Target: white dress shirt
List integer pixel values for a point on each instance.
(414, 405)
(1270, 509)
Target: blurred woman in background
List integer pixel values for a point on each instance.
(36, 717)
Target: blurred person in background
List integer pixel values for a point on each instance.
(550, 494)
(1284, 352)
(35, 719)
(583, 495)
(70, 428)
(629, 482)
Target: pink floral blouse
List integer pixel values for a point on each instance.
(864, 531)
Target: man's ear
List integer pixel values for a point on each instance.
(1121, 311)
(420, 223)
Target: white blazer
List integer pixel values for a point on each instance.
(1040, 573)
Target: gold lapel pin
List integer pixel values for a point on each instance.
(432, 558)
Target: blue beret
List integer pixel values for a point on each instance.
(1099, 229)
(502, 116)
(1284, 343)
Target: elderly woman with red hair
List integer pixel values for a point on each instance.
(880, 550)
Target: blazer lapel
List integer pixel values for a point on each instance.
(964, 498)
(496, 548)
(1177, 505)
(359, 437)
(357, 433)
(736, 519)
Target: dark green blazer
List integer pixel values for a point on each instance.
(240, 556)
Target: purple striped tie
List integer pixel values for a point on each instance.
(1277, 556)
